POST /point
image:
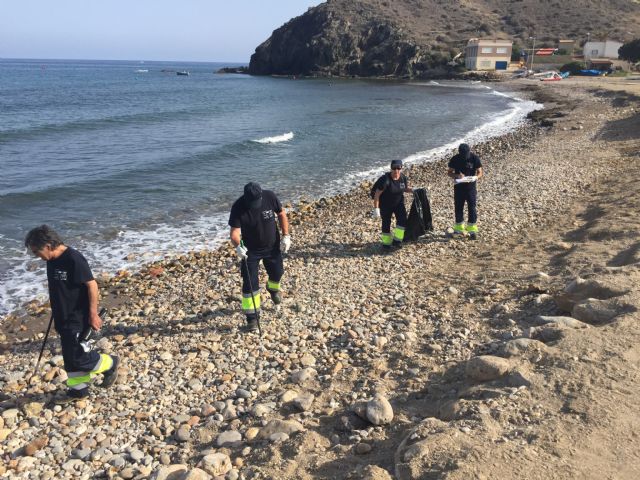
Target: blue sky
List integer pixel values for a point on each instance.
(190, 30)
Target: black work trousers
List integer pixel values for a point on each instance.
(75, 358)
(272, 262)
(399, 210)
(466, 193)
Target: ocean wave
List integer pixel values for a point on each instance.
(129, 250)
(285, 137)
(97, 124)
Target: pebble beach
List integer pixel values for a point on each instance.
(442, 359)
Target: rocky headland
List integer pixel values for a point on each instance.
(421, 38)
(515, 356)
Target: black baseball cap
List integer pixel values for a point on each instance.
(464, 150)
(396, 163)
(253, 195)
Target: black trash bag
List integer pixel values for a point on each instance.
(420, 220)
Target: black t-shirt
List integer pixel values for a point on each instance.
(258, 226)
(67, 276)
(392, 190)
(465, 166)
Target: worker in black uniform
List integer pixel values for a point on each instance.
(388, 200)
(465, 168)
(73, 295)
(254, 234)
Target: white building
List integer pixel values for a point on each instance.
(606, 49)
(485, 54)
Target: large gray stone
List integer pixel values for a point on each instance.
(518, 346)
(563, 321)
(486, 368)
(379, 410)
(229, 438)
(171, 472)
(274, 426)
(216, 464)
(595, 311)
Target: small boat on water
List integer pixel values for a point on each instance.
(183, 73)
(142, 70)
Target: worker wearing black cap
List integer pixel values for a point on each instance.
(465, 168)
(388, 200)
(255, 235)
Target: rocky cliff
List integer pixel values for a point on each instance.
(418, 38)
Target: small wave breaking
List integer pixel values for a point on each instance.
(285, 137)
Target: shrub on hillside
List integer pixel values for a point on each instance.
(630, 51)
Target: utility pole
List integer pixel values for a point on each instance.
(533, 51)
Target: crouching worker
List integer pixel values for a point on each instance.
(73, 295)
(254, 234)
(388, 200)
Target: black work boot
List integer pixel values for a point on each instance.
(110, 376)
(251, 325)
(275, 296)
(72, 396)
(397, 244)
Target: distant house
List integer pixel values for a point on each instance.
(567, 46)
(605, 49)
(484, 54)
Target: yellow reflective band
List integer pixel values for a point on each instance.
(458, 227)
(472, 228)
(398, 233)
(104, 364)
(78, 379)
(273, 286)
(387, 239)
(248, 301)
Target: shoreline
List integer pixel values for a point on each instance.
(355, 181)
(447, 330)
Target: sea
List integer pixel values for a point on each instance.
(131, 162)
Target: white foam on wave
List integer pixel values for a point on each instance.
(134, 248)
(500, 124)
(128, 251)
(285, 137)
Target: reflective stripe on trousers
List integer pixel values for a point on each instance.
(80, 380)
(250, 302)
(398, 234)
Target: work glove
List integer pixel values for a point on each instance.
(285, 243)
(376, 213)
(241, 251)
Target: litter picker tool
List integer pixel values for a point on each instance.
(253, 300)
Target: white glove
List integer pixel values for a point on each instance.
(241, 251)
(376, 213)
(285, 243)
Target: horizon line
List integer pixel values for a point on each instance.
(119, 60)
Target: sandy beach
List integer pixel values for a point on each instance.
(514, 356)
